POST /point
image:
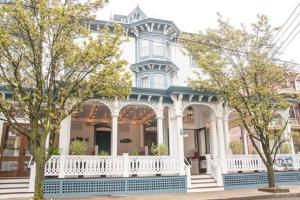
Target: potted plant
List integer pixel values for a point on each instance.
(134, 164)
(158, 150)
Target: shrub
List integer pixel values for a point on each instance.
(236, 147)
(159, 149)
(78, 147)
(103, 153)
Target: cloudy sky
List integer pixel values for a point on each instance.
(194, 15)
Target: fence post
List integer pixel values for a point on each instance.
(61, 173)
(32, 177)
(188, 176)
(219, 176)
(126, 165)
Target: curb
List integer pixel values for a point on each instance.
(271, 196)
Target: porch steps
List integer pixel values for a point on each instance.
(14, 188)
(203, 183)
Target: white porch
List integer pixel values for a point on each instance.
(201, 134)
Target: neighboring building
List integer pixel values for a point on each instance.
(161, 109)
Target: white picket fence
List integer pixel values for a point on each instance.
(93, 166)
(244, 163)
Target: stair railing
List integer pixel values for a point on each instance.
(187, 168)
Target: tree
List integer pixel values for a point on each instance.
(51, 64)
(237, 64)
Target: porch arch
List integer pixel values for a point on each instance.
(123, 104)
(90, 123)
(138, 128)
(199, 133)
(212, 107)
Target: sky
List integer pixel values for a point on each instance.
(195, 15)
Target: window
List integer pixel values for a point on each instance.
(153, 46)
(193, 62)
(145, 82)
(159, 81)
(144, 47)
(158, 46)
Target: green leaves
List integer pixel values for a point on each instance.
(237, 65)
(52, 62)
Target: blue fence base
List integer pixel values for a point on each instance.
(113, 186)
(256, 180)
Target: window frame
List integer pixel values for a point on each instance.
(145, 48)
(163, 81)
(142, 83)
(158, 43)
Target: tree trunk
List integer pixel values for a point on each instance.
(39, 177)
(271, 176)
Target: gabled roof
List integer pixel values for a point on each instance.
(136, 14)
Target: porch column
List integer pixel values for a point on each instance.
(64, 135)
(114, 135)
(288, 131)
(171, 134)
(180, 141)
(221, 144)
(245, 140)
(47, 143)
(160, 130)
(227, 136)
(160, 117)
(214, 142)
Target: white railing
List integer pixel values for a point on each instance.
(214, 170)
(237, 163)
(93, 166)
(244, 163)
(149, 165)
(187, 169)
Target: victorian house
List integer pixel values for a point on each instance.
(193, 129)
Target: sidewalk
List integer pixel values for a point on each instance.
(218, 195)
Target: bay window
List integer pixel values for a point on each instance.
(159, 81)
(158, 46)
(145, 82)
(144, 47)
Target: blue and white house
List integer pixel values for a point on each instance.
(162, 109)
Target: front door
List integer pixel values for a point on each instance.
(102, 140)
(202, 145)
(15, 156)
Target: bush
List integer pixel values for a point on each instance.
(103, 153)
(236, 147)
(78, 147)
(159, 149)
(286, 148)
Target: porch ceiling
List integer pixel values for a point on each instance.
(100, 112)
